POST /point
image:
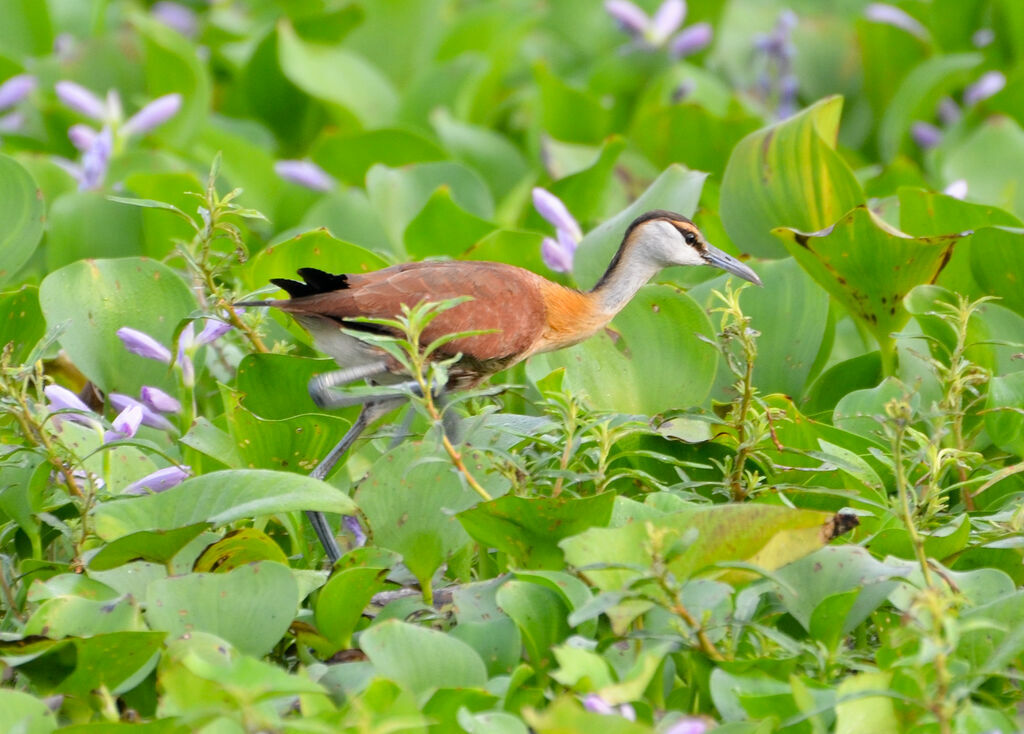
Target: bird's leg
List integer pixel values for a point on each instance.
(320, 385)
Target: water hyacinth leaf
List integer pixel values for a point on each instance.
(251, 607)
(1004, 416)
(650, 360)
(355, 90)
(348, 215)
(989, 160)
(567, 714)
(238, 548)
(213, 442)
(522, 249)
(857, 713)
(410, 497)
(341, 602)
(540, 614)
(161, 228)
(569, 113)
(676, 189)
(788, 175)
(73, 616)
(316, 249)
(86, 224)
(21, 321)
(21, 217)
(442, 227)
(997, 264)
(487, 151)
(858, 373)
(919, 94)
(219, 498)
(529, 529)
(172, 65)
(869, 267)
(29, 714)
(156, 546)
(348, 157)
(585, 192)
(98, 297)
(421, 659)
(698, 537)
(275, 385)
(929, 213)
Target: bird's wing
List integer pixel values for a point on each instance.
(506, 301)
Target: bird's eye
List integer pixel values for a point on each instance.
(690, 237)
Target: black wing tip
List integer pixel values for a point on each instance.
(317, 281)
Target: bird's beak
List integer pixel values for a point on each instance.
(713, 256)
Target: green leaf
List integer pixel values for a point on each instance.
(1004, 416)
(869, 267)
(650, 360)
(586, 191)
(86, 224)
(21, 321)
(26, 714)
(348, 157)
(316, 249)
(529, 529)
(927, 213)
(997, 261)
(344, 80)
(858, 373)
(421, 659)
(540, 614)
(567, 112)
(251, 607)
(443, 228)
(788, 175)
(157, 546)
(238, 548)
(73, 616)
(26, 30)
(219, 498)
(98, 297)
(21, 217)
(990, 160)
(487, 151)
(341, 602)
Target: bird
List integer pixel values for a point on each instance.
(515, 313)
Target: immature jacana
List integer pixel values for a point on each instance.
(523, 313)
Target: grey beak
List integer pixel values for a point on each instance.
(713, 256)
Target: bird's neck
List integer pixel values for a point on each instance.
(628, 272)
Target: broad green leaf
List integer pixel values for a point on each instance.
(497, 641)
(443, 228)
(344, 80)
(317, 249)
(275, 385)
(887, 54)
(1004, 416)
(585, 192)
(219, 498)
(541, 617)
(418, 23)
(869, 267)
(566, 714)
(160, 228)
(73, 616)
(410, 497)
(21, 217)
(918, 95)
(21, 321)
(989, 160)
(269, 94)
(26, 714)
(26, 30)
(567, 112)
(238, 548)
(863, 411)
(348, 215)
(997, 261)
(529, 529)
(348, 157)
(342, 601)
(421, 659)
(787, 175)
(85, 224)
(927, 214)
(156, 546)
(251, 607)
(650, 360)
(491, 722)
(213, 442)
(856, 713)
(859, 373)
(521, 249)
(487, 151)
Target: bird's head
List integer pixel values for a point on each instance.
(668, 239)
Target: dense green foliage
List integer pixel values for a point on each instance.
(649, 531)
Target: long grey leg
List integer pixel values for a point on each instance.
(320, 385)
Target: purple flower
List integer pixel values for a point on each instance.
(213, 330)
(176, 16)
(667, 18)
(142, 344)
(558, 254)
(126, 424)
(629, 17)
(159, 480)
(925, 134)
(63, 399)
(156, 399)
(154, 114)
(95, 161)
(82, 136)
(304, 173)
(352, 524)
(983, 37)
(149, 416)
(594, 703)
(688, 725)
(187, 342)
(11, 122)
(691, 40)
(776, 81)
(891, 15)
(552, 209)
(16, 89)
(81, 100)
(957, 189)
(990, 83)
(948, 111)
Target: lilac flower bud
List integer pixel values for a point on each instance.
(159, 480)
(16, 89)
(156, 399)
(149, 417)
(552, 209)
(63, 399)
(142, 344)
(154, 114)
(95, 161)
(990, 83)
(126, 424)
(187, 342)
(948, 111)
(304, 173)
(957, 189)
(595, 704)
(688, 725)
(352, 524)
(891, 15)
(82, 136)
(668, 17)
(555, 256)
(787, 21)
(925, 135)
(628, 16)
(81, 100)
(983, 37)
(177, 17)
(11, 122)
(692, 39)
(212, 331)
